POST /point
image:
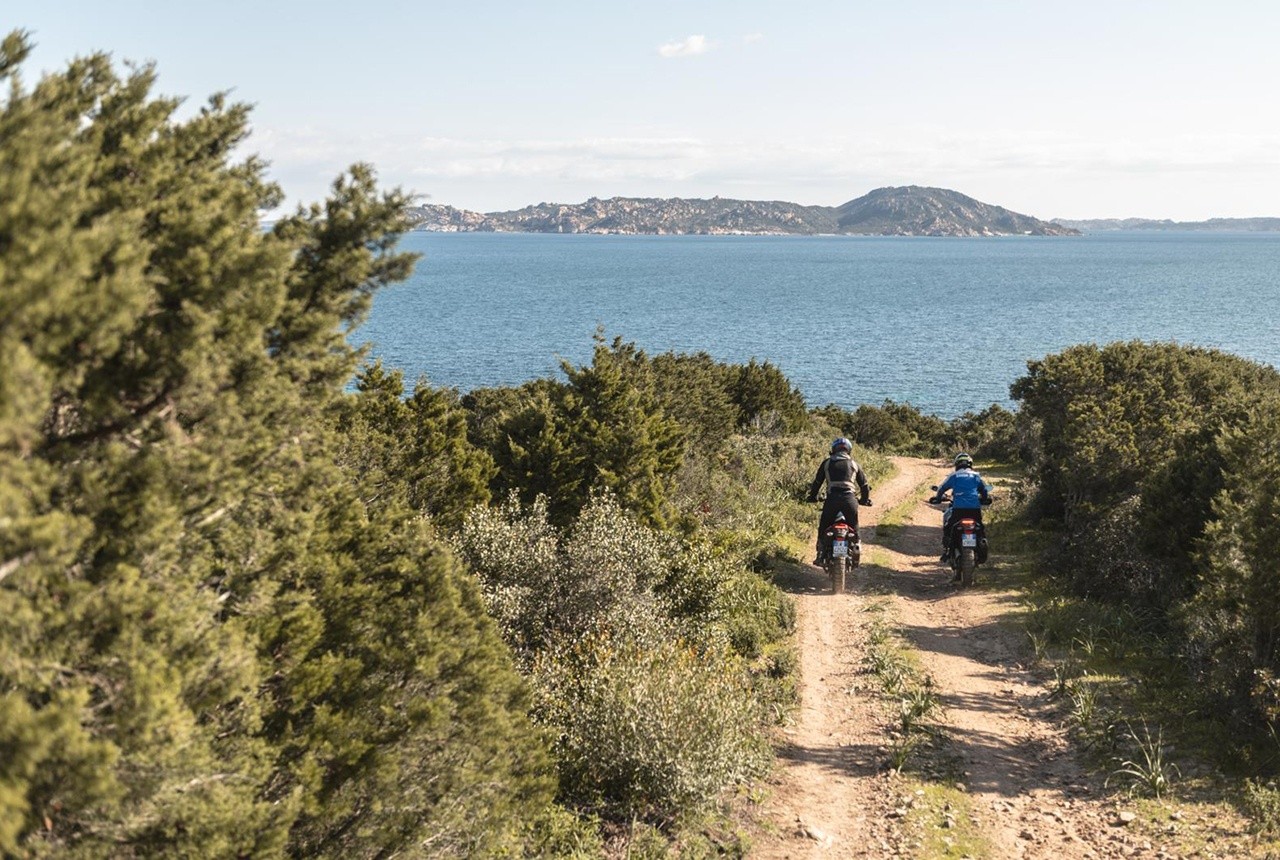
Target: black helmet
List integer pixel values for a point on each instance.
(964, 461)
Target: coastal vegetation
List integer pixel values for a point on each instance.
(1157, 466)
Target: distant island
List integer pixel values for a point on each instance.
(1219, 225)
(909, 210)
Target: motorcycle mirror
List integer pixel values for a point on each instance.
(933, 486)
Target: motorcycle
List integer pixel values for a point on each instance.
(967, 546)
(841, 552)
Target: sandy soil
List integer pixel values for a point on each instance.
(831, 793)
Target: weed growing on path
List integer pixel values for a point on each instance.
(892, 521)
(939, 821)
(912, 695)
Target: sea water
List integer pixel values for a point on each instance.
(944, 323)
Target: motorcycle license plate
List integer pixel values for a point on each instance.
(969, 540)
(840, 548)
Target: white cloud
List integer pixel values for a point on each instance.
(752, 38)
(689, 47)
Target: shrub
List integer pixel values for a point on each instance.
(543, 585)
(1261, 802)
(1110, 417)
(1099, 558)
(214, 641)
(652, 728)
(1235, 616)
(992, 434)
(893, 428)
(411, 450)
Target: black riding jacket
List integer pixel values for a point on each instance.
(841, 473)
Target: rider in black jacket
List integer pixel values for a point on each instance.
(841, 473)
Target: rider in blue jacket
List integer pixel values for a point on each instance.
(968, 494)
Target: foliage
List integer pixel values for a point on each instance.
(900, 428)
(1261, 801)
(644, 600)
(213, 642)
(1134, 440)
(543, 586)
(627, 423)
(896, 428)
(699, 393)
(767, 400)
(1102, 559)
(603, 429)
(412, 450)
(1234, 619)
(1110, 418)
(619, 438)
(1149, 771)
(649, 728)
(995, 433)
(1126, 447)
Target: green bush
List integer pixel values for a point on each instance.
(1234, 618)
(655, 728)
(1261, 802)
(1100, 559)
(1109, 418)
(995, 433)
(542, 584)
(891, 428)
(766, 399)
(1135, 421)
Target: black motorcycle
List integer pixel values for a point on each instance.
(841, 552)
(966, 541)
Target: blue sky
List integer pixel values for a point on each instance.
(1081, 109)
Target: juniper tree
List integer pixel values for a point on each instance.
(619, 437)
(210, 643)
(413, 449)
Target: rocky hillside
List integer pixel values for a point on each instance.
(916, 211)
(905, 211)
(447, 219)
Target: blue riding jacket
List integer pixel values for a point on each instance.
(967, 488)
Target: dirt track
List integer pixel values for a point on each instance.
(832, 795)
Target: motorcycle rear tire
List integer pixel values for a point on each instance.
(835, 570)
(968, 563)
